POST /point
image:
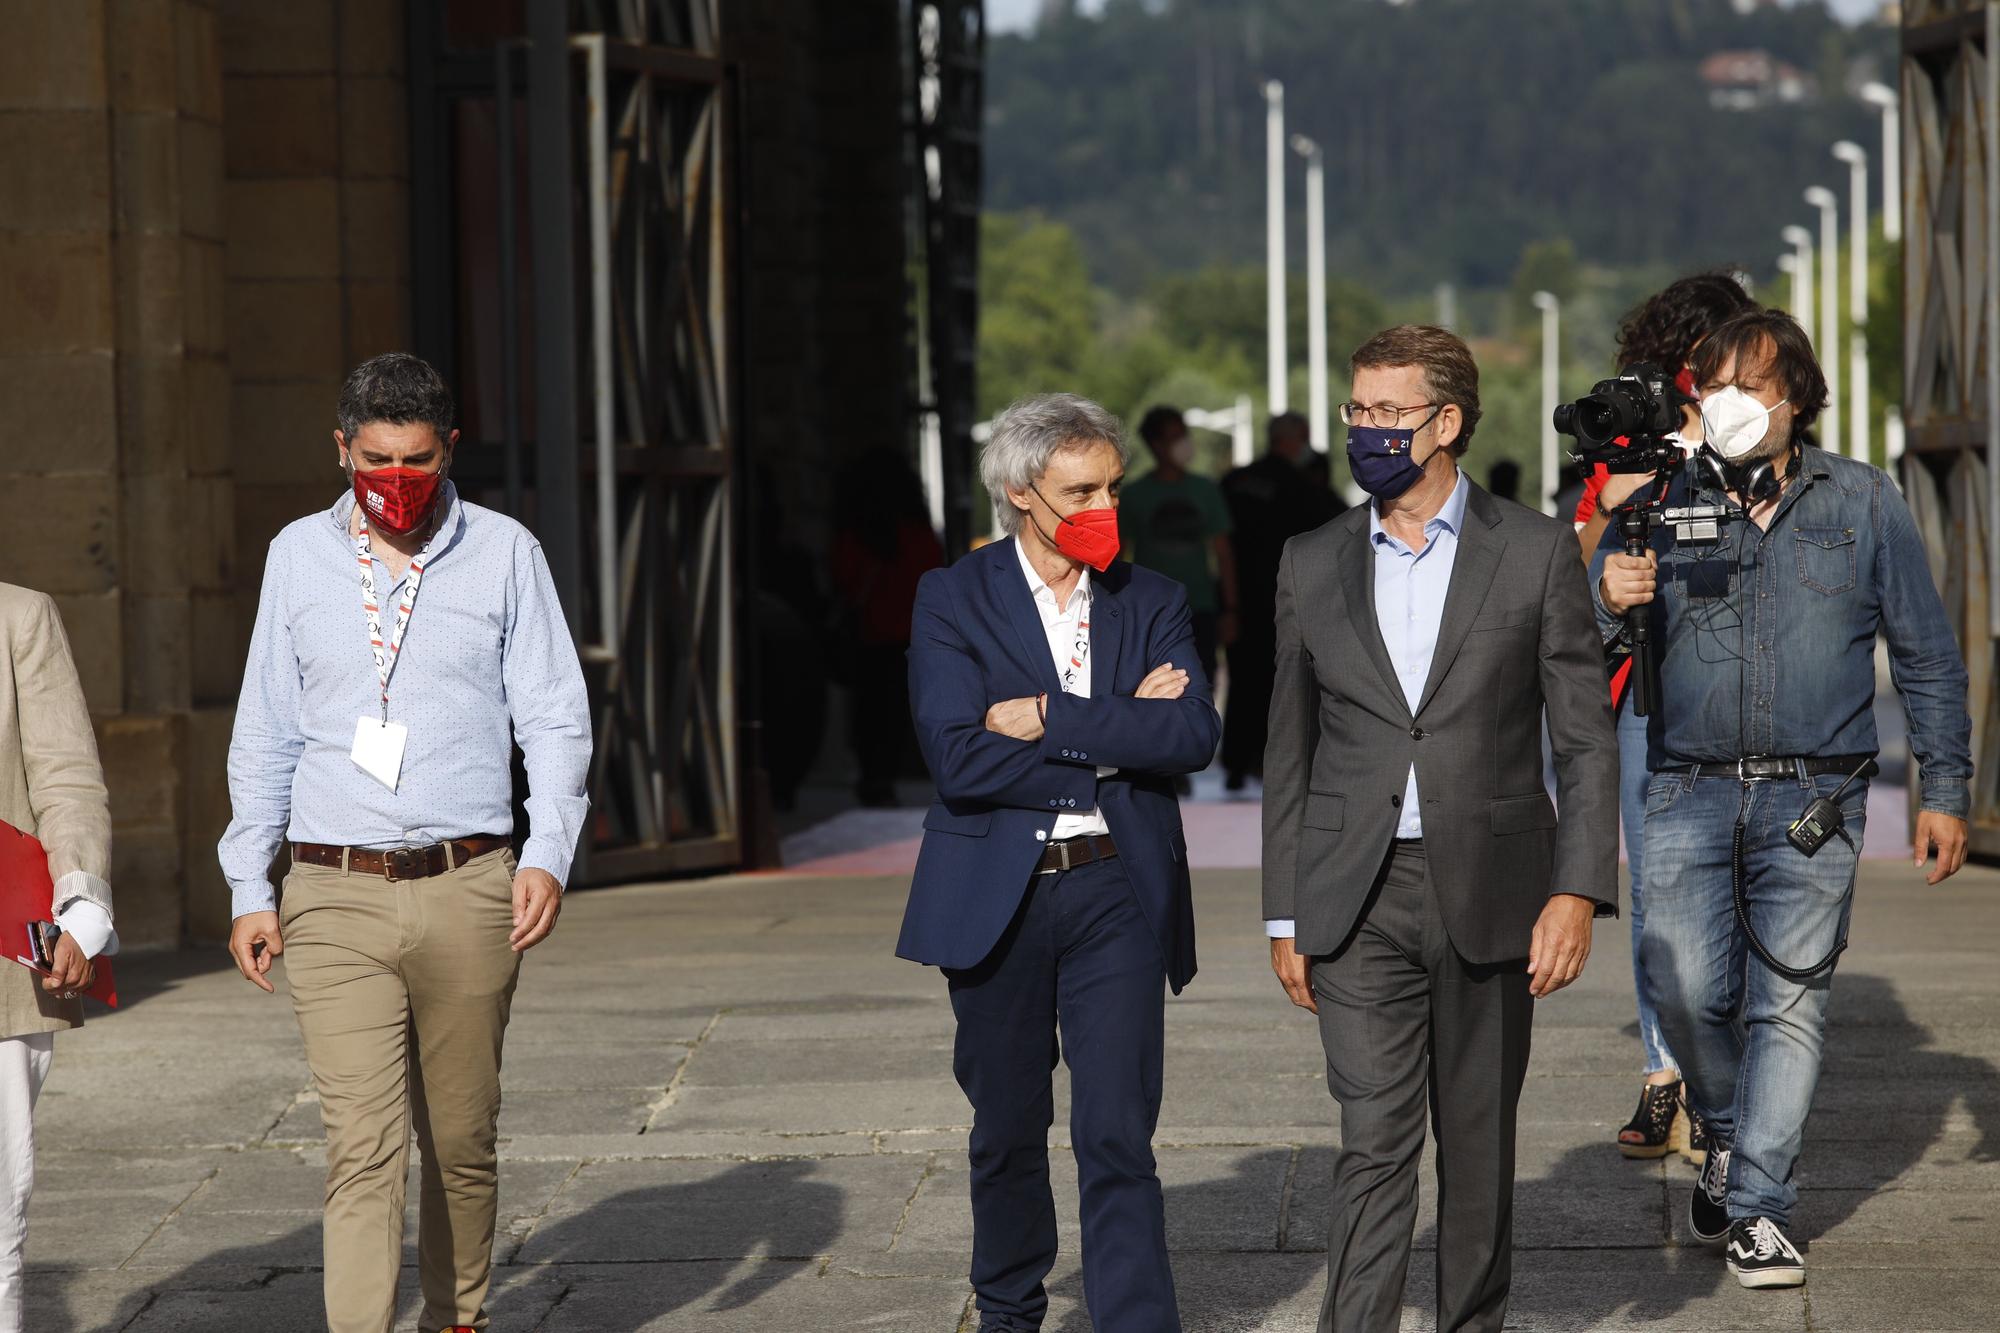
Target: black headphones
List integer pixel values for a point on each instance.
(1755, 482)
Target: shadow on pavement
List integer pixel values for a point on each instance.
(143, 976)
(1927, 1084)
(741, 1219)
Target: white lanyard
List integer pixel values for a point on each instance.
(386, 651)
(1079, 652)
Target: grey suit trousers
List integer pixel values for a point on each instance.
(1402, 1015)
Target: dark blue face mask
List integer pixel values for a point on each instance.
(1380, 457)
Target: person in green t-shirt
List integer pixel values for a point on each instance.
(1177, 524)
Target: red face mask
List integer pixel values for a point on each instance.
(1090, 536)
(397, 499)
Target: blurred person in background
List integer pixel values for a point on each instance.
(1271, 501)
(1503, 480)
(883, 544)
(1663, 331)
(1176, 523)
(791, 629)
(52, 789)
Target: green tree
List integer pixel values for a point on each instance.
(1545, 266)
(1037, 309)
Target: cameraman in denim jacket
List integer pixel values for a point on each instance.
(1767, 644)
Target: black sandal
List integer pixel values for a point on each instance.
(1649, 1134)
(1696, 1148)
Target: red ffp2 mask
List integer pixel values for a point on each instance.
(397, 499)
(1090, 535)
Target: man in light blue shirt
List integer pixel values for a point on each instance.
(405, 642)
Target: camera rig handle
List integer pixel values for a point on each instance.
(1636, 519)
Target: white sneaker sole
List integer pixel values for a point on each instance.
(1770, 1277)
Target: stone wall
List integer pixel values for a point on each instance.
(202, 223)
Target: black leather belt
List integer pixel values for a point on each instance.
(1777, 768)
(1070, 853)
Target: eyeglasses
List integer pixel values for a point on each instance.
(1382, 416)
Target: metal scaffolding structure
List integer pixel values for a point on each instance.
(621, 338)
(1951, 342)
(947, 97)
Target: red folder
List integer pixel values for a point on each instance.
(27, 895)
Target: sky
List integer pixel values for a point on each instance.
(1013, 15)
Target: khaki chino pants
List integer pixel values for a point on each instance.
(402, 991)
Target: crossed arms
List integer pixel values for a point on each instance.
(1025, 752)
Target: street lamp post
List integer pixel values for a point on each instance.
(1883, 96)
(1788, 263)
(1801, 241)
(1551, 309)
(1856, 158)
(1274, 241)
(1315, 286)
(1829, 308)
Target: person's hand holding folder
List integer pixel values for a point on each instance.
(44, 941)
(69, 971)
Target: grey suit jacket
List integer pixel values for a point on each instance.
(1518, 635)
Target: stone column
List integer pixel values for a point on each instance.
(110, 242)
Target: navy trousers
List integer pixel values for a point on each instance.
(1077, 976)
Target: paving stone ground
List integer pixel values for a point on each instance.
(729, 1107)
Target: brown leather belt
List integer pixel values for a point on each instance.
(398, 862)
(1073, 852)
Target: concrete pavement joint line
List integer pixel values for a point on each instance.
(903, 1219)
(298, 1100)
(673, 1088)
(140, 1313)
(554, 1305)
(172, 1213)
(535, 1219)
(1285, 1199)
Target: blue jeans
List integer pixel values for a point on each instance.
(1633, 778)
(1748, 1039)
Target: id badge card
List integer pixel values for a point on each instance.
(378, 749)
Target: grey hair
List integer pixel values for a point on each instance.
(1032, 431)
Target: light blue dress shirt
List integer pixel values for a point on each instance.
(487, 661)
(1410, 588)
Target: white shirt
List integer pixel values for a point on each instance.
(1063, 625)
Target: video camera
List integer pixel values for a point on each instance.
(1629, 425)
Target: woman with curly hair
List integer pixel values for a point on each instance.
(1662, 331)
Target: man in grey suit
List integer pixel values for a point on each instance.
(1419, 891)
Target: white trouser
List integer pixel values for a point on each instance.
(24, 1064)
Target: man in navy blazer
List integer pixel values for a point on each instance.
(1057, 696)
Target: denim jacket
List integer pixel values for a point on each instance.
(1766, 640)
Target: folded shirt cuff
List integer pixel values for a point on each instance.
(88, 924)
(1949, 797)
(251, 895)
(1281, 928)
(540, 853)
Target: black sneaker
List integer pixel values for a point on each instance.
(1708, 1207)
(1761, 1256)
